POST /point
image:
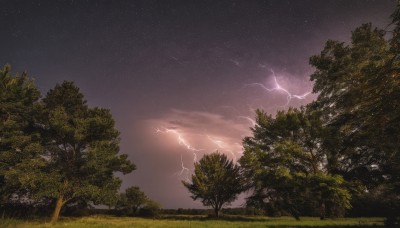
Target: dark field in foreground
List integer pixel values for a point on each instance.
(196, 221)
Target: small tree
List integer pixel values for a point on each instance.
(150, 209)
(131, 201)
(216, 181)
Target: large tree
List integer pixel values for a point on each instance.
(359, 93)
(217, 181)
(19, 135)
(288, 170)
(80, 154)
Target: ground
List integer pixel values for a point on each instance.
(194, 221)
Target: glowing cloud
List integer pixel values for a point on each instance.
(199, 133)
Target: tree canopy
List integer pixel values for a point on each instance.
(78, 151)
(288, 169)
(19, 135)
(135, 202)
(359, 95)
(217, 181)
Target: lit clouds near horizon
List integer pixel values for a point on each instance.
(191, 134)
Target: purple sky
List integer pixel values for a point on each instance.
(182, 78)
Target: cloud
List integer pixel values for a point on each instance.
(201, 132)
(168, 143)
(160, 155)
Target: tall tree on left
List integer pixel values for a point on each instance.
(19, 131)
(80, 155)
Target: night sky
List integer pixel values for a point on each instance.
(182, 78)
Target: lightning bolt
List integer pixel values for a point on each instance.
(184, 169)
(278, 87)
(181, 141)
(253, 123)
(221, 145)
(236, 62)
(217, 142)
(175, 59)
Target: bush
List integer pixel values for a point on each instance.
(151, 209)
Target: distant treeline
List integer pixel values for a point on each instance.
(360, 209)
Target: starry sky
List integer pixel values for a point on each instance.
(182, 78)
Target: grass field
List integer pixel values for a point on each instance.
(195, 221)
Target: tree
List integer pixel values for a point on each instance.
(132, 200)
(359, 94)
(216, 181)
(80, 153)
(288, 170)
(150, 209)
(19, 135)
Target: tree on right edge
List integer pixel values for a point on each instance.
(287, 169)
(359, 95)
(217, 181)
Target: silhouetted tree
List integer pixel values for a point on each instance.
(20, 140)
(216, 181)
(80, 153)
(359, 95)
(131, 201)
(286, 167)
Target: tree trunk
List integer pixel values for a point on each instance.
(216, 210)
(57, 209)
(322, 211)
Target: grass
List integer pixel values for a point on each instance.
(194, 221)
